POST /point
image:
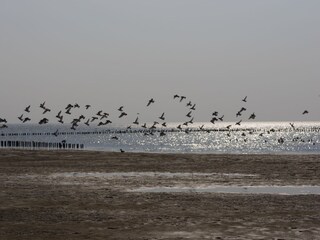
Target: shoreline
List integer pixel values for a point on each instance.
(86, 195)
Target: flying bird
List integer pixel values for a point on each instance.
(150, 101)
(87, 106)
(120, 109)
(162, 117)
(123, 114)
(136, 121)
(305, 112)
(252, 116)
(176, 96)
(245, 99)
(21, 118)
(27, 109)
(181, 98)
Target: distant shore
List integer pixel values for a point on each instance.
(73, 195)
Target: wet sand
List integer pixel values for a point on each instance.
(89, 195)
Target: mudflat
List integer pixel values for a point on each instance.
(95, 195)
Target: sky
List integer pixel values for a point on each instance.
(124, 52)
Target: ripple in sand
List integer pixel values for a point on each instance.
(281, 190)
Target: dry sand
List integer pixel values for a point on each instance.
(86, 195)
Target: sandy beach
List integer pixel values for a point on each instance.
(96, 195)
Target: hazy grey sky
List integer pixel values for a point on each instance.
(113, 53)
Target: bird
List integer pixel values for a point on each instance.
(121, 150)
(252, 116)
(87, 122)
(221, 118)
(87, 106)
(215, 113)
(27, 109)
(94, 118)
(69, 106)
(42, 105)
(68, 111)
(181, 98)
(61, 120)
(213, 120)
(179, 127)
(120, 109)
(176, 96)
(3, 120)
(189, 104)
(144, 125)
(150, 101)
(99, 113)
(228, 127)
(59, 114)
(245, 99)
(56, 133)
(201, 127)
(26, 120)
(123, 114)
(162, 117)
(238, 123)
(193, 107)
(44, 121)
(136, 121)
(292, 125)
(189, 114)
(115, 138)
(76, 105)
(305, 112)
(162, 133)
(164, 124)
(21, 118)
(46, 110)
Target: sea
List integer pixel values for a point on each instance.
(201, 137)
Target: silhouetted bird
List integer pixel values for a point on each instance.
(179, 127)
(21, 118)
(58, 115)
(144, 125)
(193, 107)
(189, 114)
(27, 109)
(87, 106)
(181, 98)
(221, 118)
(252, 116)
(162, 117)
(94, 118)
(76, 105)
(68, 111)
(215, 113)
(115, 138)
(245, 99)
(292, 125)
(150, 101)
(3, 120)
(122, 114)
(120, 109)
(87, 122)
(136, 121)
(44, 121)
(56, 133)
(176, 96)
(26, 120)
(164, 124)
(42, 105)
(189, 104)
(305, 112)
(238, 123)
(121, 150)
(46, 110)
(69, 106)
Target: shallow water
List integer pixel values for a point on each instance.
(254, 137)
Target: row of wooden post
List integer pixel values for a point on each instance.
(40, 145)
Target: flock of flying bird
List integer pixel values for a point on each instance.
(102, 118)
